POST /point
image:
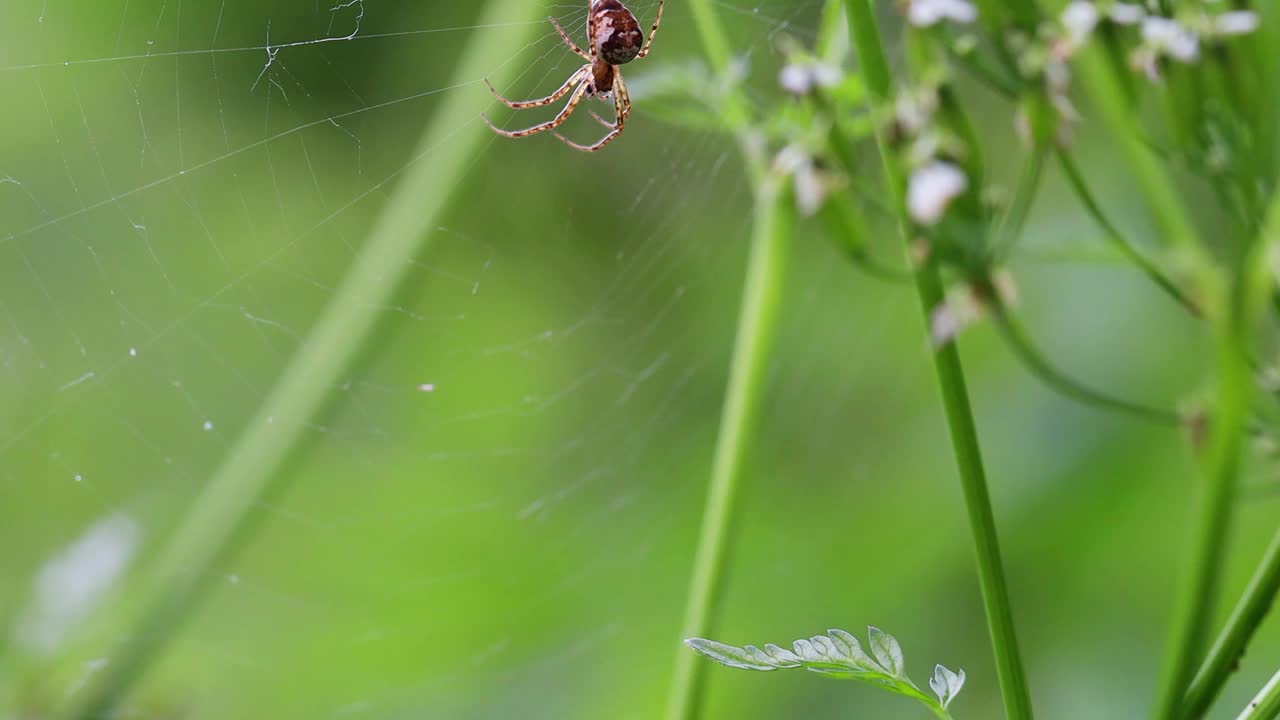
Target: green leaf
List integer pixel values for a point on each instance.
(887, 652)
(946, 684)
(839, 655)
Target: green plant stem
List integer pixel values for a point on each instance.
(968, 455)
(757, 333)
(1035, 361)
(1009, 229)
(1112, 103)
(955, 398)
(1266, 704)
(1251, 293)
(753, 347)
(1077, 182)
(1244, 621)
(220, 518)
(1209, 535)
(1242, 304)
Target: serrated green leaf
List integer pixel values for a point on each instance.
(735, 657)
(887, 651)
(852, 649)
(782, 656)
(839, 655)
(946, 684)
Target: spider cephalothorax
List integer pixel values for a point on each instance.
(615, 39)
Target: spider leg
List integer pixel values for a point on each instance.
(522, 104)
(652, 31)
(559, 119)
(621, 107)
(601, 120)
(591, 28)
(569, 41)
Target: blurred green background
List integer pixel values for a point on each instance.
(496, 515)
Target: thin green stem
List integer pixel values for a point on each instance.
(1227, 650)
(1035, 361)
(955, 400)
(757, 334)
(973, 481)
(1113, 105)
(1009, 229)
(1266, 704)
(1077, 182)
(220, 518)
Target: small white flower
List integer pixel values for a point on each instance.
(811, 186)
(923, 13)
(931, 190)
(1238, 22)
(1079, 18)
(796, 80)
(1169, 37)
(73, 582)
(801, 79)
(1126, 13)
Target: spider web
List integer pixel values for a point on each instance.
(495, 518)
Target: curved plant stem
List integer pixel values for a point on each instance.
(1009, 229)
(955, 400)
(1244, 621)
(1266, 704)
(1077, 182)
(757, 332)
(1035, 361)
(220, 518)
(1113, 105)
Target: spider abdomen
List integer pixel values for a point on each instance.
(618, 38)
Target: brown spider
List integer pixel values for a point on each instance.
(615, 39)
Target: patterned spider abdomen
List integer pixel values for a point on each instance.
(618, 38)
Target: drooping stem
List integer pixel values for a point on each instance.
(220, 518)
(757, 332)
(955, 397)
(1077, 182)
(1035, 361)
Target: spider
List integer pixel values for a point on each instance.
(615, 39)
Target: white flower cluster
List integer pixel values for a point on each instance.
(934, 182)
(1177, 38)
(926, 13)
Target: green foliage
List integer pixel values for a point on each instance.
(839, 655)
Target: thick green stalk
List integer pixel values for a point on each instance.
(1266, 704)
(757, 333)
(1209, 534)
(1244, 621)
(1248, 298)
(220, 517)
(955, 397)
(1242, 303)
